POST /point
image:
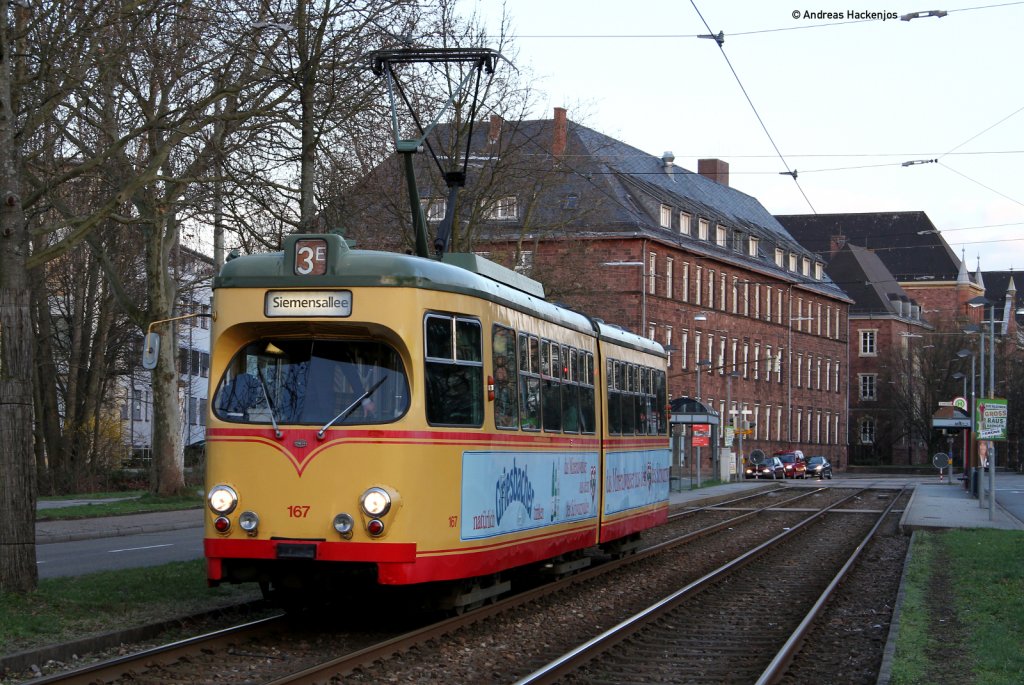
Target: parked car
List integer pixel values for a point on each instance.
(819, 466)
(768, 467)
(794, 463)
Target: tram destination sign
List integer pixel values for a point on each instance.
(285, 303)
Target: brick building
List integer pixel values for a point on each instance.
(650, 246)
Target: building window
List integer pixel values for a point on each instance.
(697, 295)
(683, 346)
(668, 343)
(737, 241)
(805, 266)
(434, 207)
(711, 288)
(792, 261)
(666, 216)
(702, 229)
(868, 343)
(757, 361)
(669, 269)
(204, 320)
(684, 223)
(524, 262)
(867, 431)
(505, 209)
(686, 281)
(780, 257)
(866, 382)
(720, 236)
(571, 201)
(752, 244)
(721, 292)
(799, 370)
(819, 271)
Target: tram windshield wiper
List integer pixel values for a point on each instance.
(350, 408)
(270, 405)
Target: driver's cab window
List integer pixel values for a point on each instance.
(313, 382)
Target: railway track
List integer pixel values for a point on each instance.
(728, 626)
(277, 652)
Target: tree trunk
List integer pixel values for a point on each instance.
(168, 454)
(17, 462)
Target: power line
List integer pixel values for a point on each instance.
(720, 40)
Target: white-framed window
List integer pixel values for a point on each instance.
(652, 264)
(792, 261)
(799, 370)
(817, 374)
(752, 244)
(735, 294)
(836, 384)
(778, 366)
(780, 257)
(666, 216)
(524, 263)
(652, 330)
(702, 229)
(867, 384)
(746, 360)
(771, 362)
(757, 302)
(668, 343)
(778, 309)
(799, 424)
(699, 284)
(721, 291)
(683, 346)
(767, 303)
(505, 209)
(711, 288)
(696, 350)
(735, 349)
(867, 430)
(818, 319)
(767, 423)
(868, 342)
(434, 207)
(720, 236)
(828, 375)
(669, 273)
(805, 264)
(737, 240)
(828, 321)
(686, 281)
(800, 314)
(684, 223)
(746, 299)
(819, 271)
(757, 361)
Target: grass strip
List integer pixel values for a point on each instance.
(143, 503)
(63, 609)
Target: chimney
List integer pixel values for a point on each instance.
(836, 243)
(560, 133)
(495, 130)
(714, 169)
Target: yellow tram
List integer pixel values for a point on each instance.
(404, 420)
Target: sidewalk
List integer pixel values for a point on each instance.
(48, 532)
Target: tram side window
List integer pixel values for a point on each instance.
(454, 370)
(614, 372)
(506, 397)
(661, 398)
(570, 391)
(529, 382)
(629, 400)
(551, 384)
(587, 423)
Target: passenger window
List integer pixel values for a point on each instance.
(453, 369)
(506, 397)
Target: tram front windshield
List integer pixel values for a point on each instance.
(314, 382)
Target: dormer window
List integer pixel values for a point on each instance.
(752, 245)
(720, 236)
(806, 266)
(505, 209)
(819, 271)
(792, 261)
(780, 257)
(684, 223)
(434, 208)
(702, 229)
(666, 216)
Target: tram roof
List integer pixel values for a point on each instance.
(466, 274)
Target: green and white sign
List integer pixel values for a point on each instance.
(990, 419)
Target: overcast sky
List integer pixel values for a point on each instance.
(844, 101)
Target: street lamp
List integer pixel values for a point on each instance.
(980, 301)
(728, 410)
(643, 291)
(789, 378)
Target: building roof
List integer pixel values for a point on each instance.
(874, 290)
(908, 243)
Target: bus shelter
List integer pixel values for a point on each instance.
(695, 439)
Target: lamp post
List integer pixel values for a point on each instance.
(698, 364)
(728, 410)
(963, 354)
(981, 302)
(789, 377)
(643, 291)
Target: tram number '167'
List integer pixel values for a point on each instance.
(310, 257)
(298, 511)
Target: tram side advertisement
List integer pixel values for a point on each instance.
(509, 492)
(636, 478)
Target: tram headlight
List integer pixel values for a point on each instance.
(222, 499)
(344, 524)
(375, 502)
(249, 521)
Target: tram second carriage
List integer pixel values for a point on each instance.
(406, 420)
